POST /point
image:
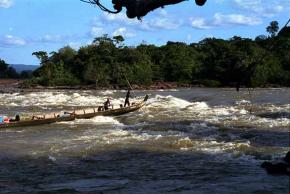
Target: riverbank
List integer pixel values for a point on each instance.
(10, 85)
(154, 86)
(16, 85)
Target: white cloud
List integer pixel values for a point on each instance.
(6, 3)
(199, 23)
(119, 24)
(97, 31)
(52, 38)
(163, 12)
(55, 38)
(238, 19)
(120, 18)
(164, 23)
(9, 40)
(123, 32)
(75, 45)
(265, 8)
(220, 19)
(161, 21)
(98, 27)
(249, 4)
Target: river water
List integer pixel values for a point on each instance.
(183, 141)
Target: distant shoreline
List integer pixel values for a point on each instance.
(8, 85)
(14, 85)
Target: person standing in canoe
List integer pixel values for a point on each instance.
(128, 95)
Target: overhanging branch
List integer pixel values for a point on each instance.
(97, 2)
(138, 8)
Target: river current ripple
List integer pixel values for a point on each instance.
(182, 141)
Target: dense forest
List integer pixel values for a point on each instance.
(6, 72)
(264, 61)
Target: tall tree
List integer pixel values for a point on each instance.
(6, 71)
(273, 28)
(3, 68)
(42, 56)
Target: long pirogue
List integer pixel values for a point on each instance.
(78, 114)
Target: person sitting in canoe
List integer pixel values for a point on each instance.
(17, 118)
(107, 104)
(66, 114)
(70, 113)
(4, 119)
(38, 117)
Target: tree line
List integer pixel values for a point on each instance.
(8, 72)
(211, 62)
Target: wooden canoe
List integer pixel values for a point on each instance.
(79, 114)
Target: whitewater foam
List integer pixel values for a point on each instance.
(98, 120)
(59, 99)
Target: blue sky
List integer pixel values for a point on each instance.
(48, 25)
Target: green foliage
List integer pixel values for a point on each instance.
(273, 28)
(179, 62)
(210, 83)
(41, 55)
(26, 74)
(6, 71)
(211, 62)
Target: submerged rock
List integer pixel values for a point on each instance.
(280, 168)
(287, 157)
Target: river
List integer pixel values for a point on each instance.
(183, 141)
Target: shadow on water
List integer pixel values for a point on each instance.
(136, 171)
(275, 115)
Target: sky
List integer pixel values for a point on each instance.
(27, 26)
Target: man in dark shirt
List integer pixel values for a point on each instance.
(107, 104)
(127, 98)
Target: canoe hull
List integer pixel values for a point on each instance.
(110, 112)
